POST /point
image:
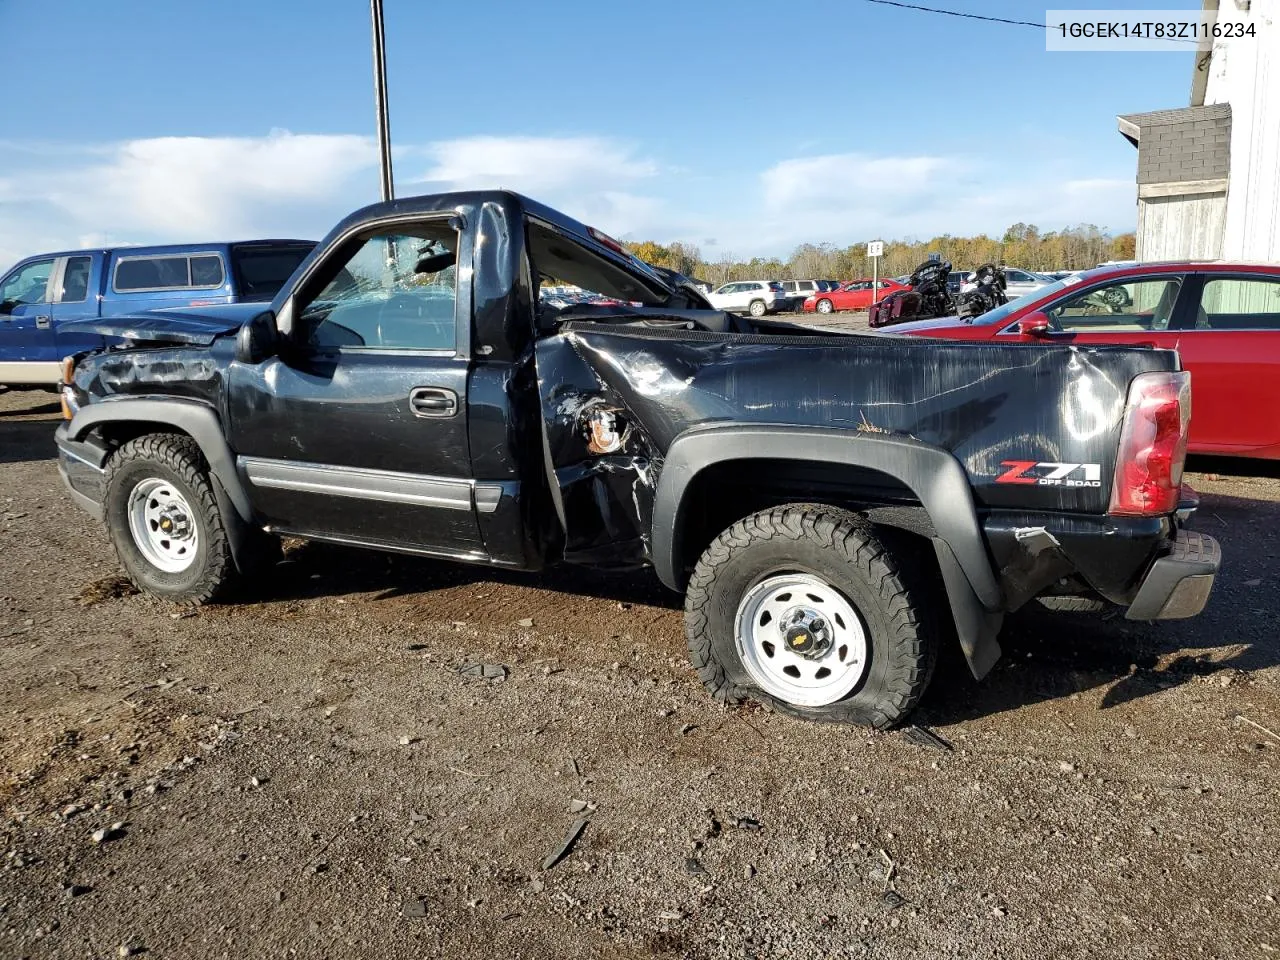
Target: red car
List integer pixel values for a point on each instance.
(1222, 318)
(855, 295)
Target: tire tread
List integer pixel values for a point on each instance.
(852, 538)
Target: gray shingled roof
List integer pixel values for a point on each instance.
(1213, 111)
(1132, 124)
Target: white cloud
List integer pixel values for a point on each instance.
(843, 198)
(838, 178)
(171, 189)
(533, 163)
(197, 188)
(587, 177)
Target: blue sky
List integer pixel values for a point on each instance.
(743, 127)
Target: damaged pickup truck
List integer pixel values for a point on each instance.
(832, 507)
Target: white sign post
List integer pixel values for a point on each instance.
(875, 250)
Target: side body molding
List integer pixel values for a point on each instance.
(188, 416)
(933, 474)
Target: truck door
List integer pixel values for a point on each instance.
(25, 321)
(357, 432)
(75, 297)
(1228, 339)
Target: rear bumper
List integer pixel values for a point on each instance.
(1178, 584)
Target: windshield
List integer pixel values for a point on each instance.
(1000, 313)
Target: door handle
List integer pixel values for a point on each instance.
(434, 402)
(42, 322)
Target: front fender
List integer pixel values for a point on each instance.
(187, 416)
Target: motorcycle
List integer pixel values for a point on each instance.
(927, 298)
(984, 291)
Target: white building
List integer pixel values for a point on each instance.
(1209, 173)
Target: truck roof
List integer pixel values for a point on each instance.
(511, 202)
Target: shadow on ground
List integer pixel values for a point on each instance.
(23, 440)
(1051, 655)
(1047, 655)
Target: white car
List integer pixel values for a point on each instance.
(756, 297)
(1022, 282)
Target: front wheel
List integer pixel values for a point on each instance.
(824, 306)
(164, 522)
(803, 608)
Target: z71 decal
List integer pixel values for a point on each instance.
(1051, 474)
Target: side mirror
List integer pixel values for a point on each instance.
(258, 339)
(6, 306)
(1035, 325)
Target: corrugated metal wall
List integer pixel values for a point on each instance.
(1245, 72)
(1187, 227)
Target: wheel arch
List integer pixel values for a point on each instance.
(933, 476)
(130, 418)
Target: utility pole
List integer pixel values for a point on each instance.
(380, 97)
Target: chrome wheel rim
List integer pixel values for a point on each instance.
(824, 306)
(163, 525)
(757, 309)
(801, 640)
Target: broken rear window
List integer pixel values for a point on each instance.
(566, 271)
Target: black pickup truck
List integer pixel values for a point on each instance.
(833, 507)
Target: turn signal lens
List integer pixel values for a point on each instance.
(66, 392)
(1153, 445)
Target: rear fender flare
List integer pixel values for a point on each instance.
(187, 416)
(934, 475)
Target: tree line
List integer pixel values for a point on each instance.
(1022, 245)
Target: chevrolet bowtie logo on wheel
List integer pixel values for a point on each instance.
(1051, 474)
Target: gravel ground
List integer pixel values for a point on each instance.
(307, 773)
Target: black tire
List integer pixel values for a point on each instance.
(177, 459)
(841, 548)
(1072, 604)
(757, 308)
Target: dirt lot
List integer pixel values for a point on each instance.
(307, 774)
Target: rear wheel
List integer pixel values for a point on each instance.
(164, 522)
(824, 306)
(803, 608)
(756, 308)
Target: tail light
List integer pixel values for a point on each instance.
(1153, 445)
(608, 241)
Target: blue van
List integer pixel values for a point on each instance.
(47, 290)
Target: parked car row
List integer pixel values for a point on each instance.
(761, 297)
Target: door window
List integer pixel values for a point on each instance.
(1232, 303)
(27, 284)
(395, 292)
(75, 280)
(1135, 306)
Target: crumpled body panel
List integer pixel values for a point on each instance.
(989, 405)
